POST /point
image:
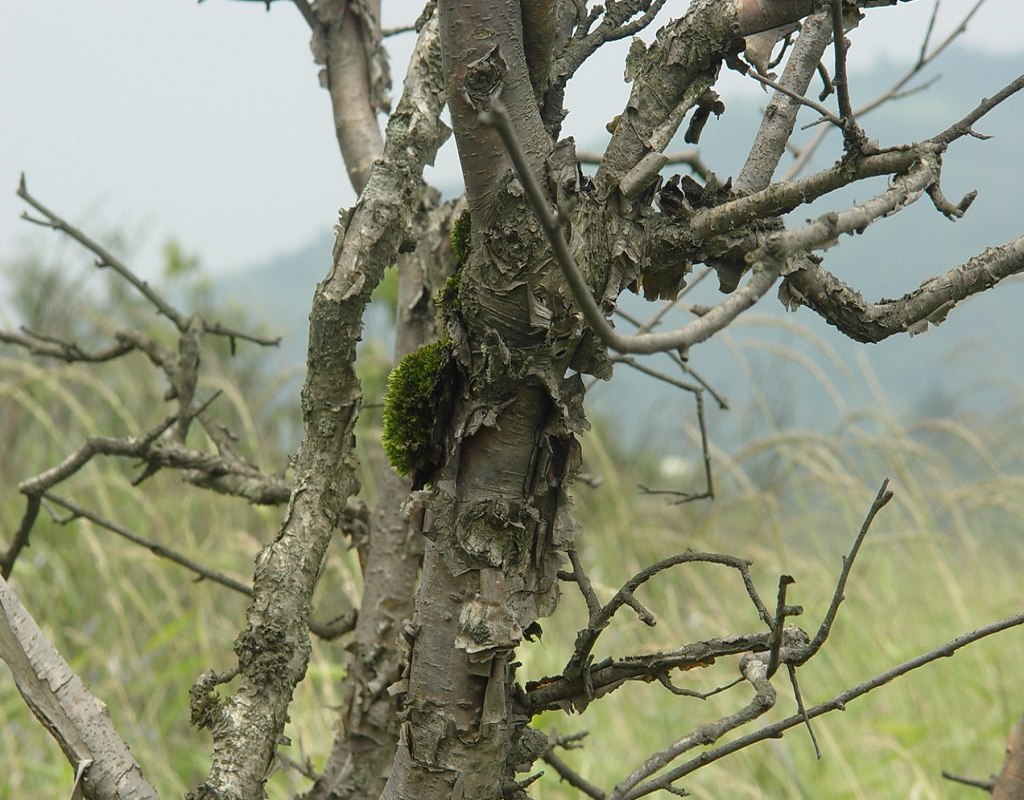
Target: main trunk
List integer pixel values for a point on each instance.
(494, 512)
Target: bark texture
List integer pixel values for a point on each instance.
(104, 767)
(1010, 782)
(364, 748)
(273, 650)
(496, 516)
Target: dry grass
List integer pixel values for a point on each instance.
(944, 557)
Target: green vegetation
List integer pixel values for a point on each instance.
(943, 558)
(462, 238)
(411, 406)
(448, 295)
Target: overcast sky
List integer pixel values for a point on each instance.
(205, 122)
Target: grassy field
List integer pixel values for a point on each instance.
(943, 558)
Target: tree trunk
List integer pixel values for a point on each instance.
(1010, 783)
(494, 515)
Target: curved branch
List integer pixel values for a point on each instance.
(348, 41)
(777, 729)
(844, 308)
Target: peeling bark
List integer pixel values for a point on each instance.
(363, 751)
(273, 650)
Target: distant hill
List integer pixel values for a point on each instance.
(769, 364)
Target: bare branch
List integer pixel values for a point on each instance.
(853, 136)
(617, 23)
(75, 718)
(754, 669)
(587, 638)
(224, 475)
(881, 499)
(984, 785)
(895, 91)
(570, 776)
(20, 539)
(780, 116)
(39, 344)
(929, 304)
(770, 260)
(347, 40)
(596, 680)
(963, 126)
(797, 695)
(826, 115)
(157, 549)
(104, 257)
(343, 623)
(585, 586)
(778, 729)
(698, 395)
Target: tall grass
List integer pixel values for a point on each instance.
(944, 557)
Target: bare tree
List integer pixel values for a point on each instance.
(466, 553)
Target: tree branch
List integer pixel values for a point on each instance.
(342, 623)
(77, 720)
(347, 40)
(104, 257)
(778, 729)
(845, 309)
(754, 669)
(273, 650)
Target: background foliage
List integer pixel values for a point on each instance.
(943, 558)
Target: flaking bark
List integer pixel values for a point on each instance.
(273, 650)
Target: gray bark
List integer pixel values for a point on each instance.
(79, 722)
(273, 650)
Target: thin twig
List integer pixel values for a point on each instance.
(803, 100)
(778, 729)
(892, 93)
(963, 126)
(570, 776)
(587, 638)
(330, 630)
(157, 549)
(880, 501)
(841, 80)
(798, 696)
(21, 536)
(105, 258)
(585, 586)
(41, 345)
(754, 669)
(976, 783)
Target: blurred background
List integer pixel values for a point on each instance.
(195, 142)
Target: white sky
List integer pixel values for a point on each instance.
(206, 122)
